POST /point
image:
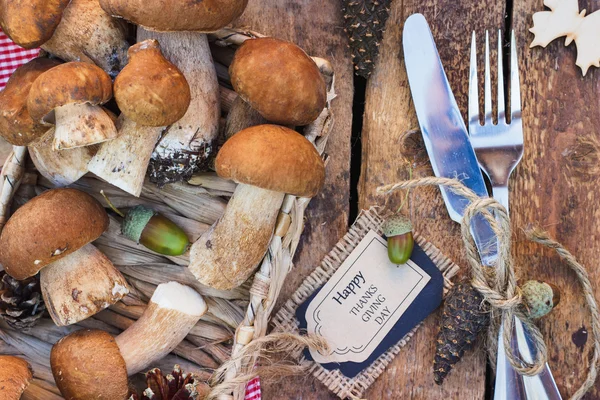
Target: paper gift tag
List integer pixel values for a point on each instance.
(369, 304)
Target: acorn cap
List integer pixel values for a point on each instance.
(135, 221)
(150, 90)
(539, 298)
(279, 80)
(272, 157)
(49, 227)
(31, 23)
(68, 84)
(396, 225)
(166, 16)
(87, 364)
(16, 126)
(15, 376)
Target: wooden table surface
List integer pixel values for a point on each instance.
(556, 185)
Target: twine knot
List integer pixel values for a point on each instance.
(498, 285)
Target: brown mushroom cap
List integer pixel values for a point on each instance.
(16, 126)
(31, 23)
(15, 375)
(167, 15)
(70, 83)
(49, 227)
(279, 80)
(272, 157)
(150, 90)
(87, 364)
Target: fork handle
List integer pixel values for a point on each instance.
(500, 193)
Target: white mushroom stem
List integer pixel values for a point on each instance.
(242, 116)
(61, 167)
(172, 312)
(80, 285)
(80, 125)
(226, 255)
(123, 162)
(189, 139)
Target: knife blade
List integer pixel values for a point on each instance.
(452, 156)
(444, 131)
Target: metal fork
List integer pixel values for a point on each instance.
(499, 148)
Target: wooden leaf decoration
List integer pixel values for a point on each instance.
(565, 19)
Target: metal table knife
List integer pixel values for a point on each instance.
(452, 156)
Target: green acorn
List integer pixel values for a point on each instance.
(398, 230)
(539, 298)
(153, 230)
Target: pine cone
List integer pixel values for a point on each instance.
(21, 303)
(463, 318)
(364, 23)
(175, 386)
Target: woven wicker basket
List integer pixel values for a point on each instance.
(235, 318)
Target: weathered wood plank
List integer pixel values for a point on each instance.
(388, 155)
(557, 187)
(315, 25)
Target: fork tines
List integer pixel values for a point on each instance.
(515, 97)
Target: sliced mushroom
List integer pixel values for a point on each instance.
(52, 232)
(16, 126)
(267, 161)
(279, 80)
(92, 364)
(69, 96)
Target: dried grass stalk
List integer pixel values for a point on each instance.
(12, 173)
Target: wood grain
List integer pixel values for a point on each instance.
(316, 26)
(391, 150)
(556, 186)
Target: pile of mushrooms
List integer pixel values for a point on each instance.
(74, 30)
(279, 82)
(52, 234)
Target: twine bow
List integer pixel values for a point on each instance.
(499, 285)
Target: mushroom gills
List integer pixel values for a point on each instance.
(79, 125)
(226, 255)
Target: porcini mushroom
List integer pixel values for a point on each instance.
(267, 161)
(186, 145)
(52, 233)
(150, 90)
(69, 96)
(15, 376)
(167, 16)
(31, 23)
(87, 33)
(16, 126)
(74, 30)
(279, 80)
(91, 364)
(61, 167)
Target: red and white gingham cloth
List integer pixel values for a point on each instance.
(12, 57)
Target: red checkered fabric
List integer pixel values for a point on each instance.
(253, 389)
(12, 57)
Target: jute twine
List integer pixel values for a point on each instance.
(499, 285)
